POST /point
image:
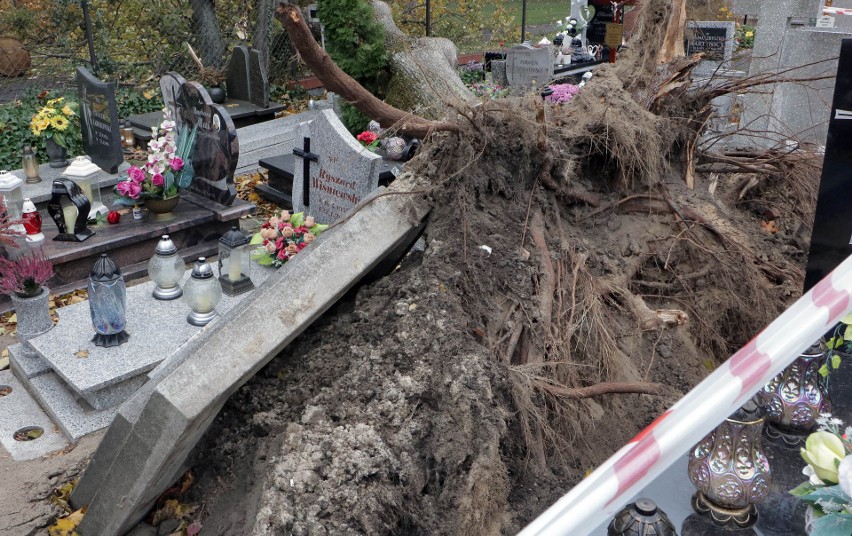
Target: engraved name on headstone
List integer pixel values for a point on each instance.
(99, 121)
(527, 66)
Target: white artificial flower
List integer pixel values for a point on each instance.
(823, 418)
(559, 22)
(844, 475)
(809, 472)
(835, 421)
(167, 125)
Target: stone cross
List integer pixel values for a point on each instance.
(307, 157)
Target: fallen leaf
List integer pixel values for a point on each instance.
(709, 364)
(4, 361)
(2, 331)
(65, 526)
(13, 319)
(5, 390)
(769, 226)
(81, 354)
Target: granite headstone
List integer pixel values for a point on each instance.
(258, 81)
(336, 169)
(831, 241)
(527, 66)
(170, 84)
(216, 151)
(714, 39)
(237, 76)
(99, 121)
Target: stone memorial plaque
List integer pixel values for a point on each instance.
(258, 81)
(99, 121)
(596, 29)
(237, 77)
(332, 171)
(527, 66)
(170, 84)
(712, 38)
(831, 241)
(216, 151)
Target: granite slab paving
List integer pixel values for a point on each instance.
(156, 329)
(19, 410)
(73, 416)
(25, 362)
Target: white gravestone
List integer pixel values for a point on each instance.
(340, 171)
(527, 66)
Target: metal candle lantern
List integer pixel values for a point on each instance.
(10, 190)
(128, 140)
(234, 263)
(71, 215)
(730, 470)
(30, 165)
(107, 303)
(85, 174)
(166, 270)
(641, 518)
(202, 293)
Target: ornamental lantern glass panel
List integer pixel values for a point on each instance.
(107, 303)
(85, 173)
(10, 189)
(234, 263)
(166, 269)
(202, 293)
(30, 164)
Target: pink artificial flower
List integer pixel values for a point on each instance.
(270, 248)
(282, 255)
(302, 229)
(176, 163)
(287, 232)
(292, 249)
(135, 174)
(128, 189)
(157, 179)
(308, 238)
(273, 221)
(285, 215)
(309, 221)
(280, 242)
(301, 246)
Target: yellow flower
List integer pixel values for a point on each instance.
(67, 111)
(749, 34)
(148, 94)
(723, 8)
(52, 102)
(59, 122)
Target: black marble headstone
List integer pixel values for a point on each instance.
(237, 76)
(214, 157)
(831, 241)
(596, 31)
(170, 84)
(258, 81)
(99, 121)
(710, 41)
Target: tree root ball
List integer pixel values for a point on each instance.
(14, 58)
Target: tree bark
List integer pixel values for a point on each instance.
(210, 44)
(334, 79)
(673, 41)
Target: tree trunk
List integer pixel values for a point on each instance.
(209, 44)
(262, 30)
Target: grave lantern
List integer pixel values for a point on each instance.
(234, 263)
(107, 302)
(85, 173)
(641, 517)
(202, 293)
(30, 165)
(166, 270)
(10, 190)
(128, 140)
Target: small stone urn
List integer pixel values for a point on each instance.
(794, 399)
(640, 519)
(731, 471)
(33, 313)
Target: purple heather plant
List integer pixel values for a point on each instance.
(563, 93)
(24, 276)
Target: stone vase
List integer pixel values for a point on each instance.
(794, 399)
(58, 154)
(33, 314)
(731, 471)
(162, 208)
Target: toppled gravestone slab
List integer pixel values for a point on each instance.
(146, 446)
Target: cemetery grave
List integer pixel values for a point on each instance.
(573, 279)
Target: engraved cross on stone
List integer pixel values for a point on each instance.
(307, 157)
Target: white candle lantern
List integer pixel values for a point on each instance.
(166, 270)
(10, 189)
(234, 263)
(85, 173)
(202, 293)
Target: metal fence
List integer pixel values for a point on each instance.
(132, 42)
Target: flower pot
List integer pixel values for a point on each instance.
(795, 398)
(217, 94)
(57, 153)
(162, 208)
(33, 313)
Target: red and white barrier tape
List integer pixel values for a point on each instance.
(836, 11)
(599, 496)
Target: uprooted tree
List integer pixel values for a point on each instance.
(617, 244)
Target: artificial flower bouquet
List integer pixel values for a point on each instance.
(828, 454)
(282, 237)
(56, 121)
(167, 171)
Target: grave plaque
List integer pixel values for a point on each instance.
(258, 81)
(596, 29)
(237, 77)
(214, 157)
(831, 241)
(714, 39)
(527, 66)
(99, 121)
(337, 170)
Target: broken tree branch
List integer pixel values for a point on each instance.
(334, 79)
